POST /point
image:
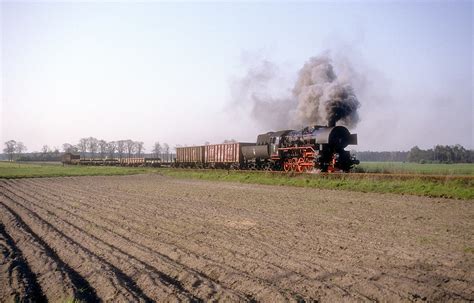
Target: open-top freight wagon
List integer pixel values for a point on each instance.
(71, 159)
(226, 155)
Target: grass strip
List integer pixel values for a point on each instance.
(446, 187)
(416, 168)
(15, 170)
(452, 186)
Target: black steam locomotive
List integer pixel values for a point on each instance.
(312, 148)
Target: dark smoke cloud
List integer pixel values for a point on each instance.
(319, 96)
(322, 97)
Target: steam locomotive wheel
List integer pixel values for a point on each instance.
(267, 167)
(294, 164)
(287, 165)
(302, 165)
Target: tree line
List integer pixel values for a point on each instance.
(441, 154)
(88, 148)
(438, 154)
(100, 149)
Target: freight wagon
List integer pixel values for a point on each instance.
(135, 162)
(69, 158)
(226, 155)
(192, 156)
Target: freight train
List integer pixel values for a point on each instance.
(315, 148)
(312, 148)
(72, 159)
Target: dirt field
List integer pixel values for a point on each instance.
(148, 237)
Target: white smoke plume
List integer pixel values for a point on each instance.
(263, 96)
(318, 97)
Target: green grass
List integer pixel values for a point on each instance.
(452, 186)
(26, 170)
(416, 168)
(447, 187)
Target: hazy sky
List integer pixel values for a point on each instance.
(166, 71)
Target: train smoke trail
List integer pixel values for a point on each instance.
(318, 97)
(263, 96)
(322, 98)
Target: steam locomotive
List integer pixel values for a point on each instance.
(315, 147)
(312, 148)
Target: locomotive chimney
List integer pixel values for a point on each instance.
(331, 122)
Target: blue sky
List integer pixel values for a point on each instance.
(164, 71)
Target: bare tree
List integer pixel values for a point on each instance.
(45, 150)
(102, 148)
(82, 146)
(92, 146)
(20, 148)
(139, 147)
(69, 148)
(10, 147)
(120, 148)
(157, 150)
(166, 150)
(56, 152)
(111, 148)
(131, 146)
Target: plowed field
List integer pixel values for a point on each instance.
(154, 238)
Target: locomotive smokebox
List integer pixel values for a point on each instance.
(337, 136)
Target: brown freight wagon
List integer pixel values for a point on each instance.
(226, 155)
(190, 156)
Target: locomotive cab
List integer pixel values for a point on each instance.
(274, 147)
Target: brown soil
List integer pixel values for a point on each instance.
(148, 237)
